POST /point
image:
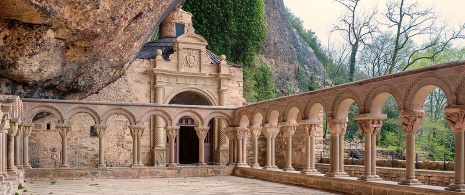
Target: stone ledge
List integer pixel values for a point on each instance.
(349, 185)
(126, 172)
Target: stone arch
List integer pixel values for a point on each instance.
(314, 111)
(416, 94)
(289, 111)
(377, 96)
(44, 108)
(257, 112)
(343, 101)
(313, 108)
(244, 121)
(192, 114)
(273, 117)
(222, 115)
(162, 114)
(83, 109)
(239, 116)
(122, 111)
(257, 119)
(460, 87)
(204, 93)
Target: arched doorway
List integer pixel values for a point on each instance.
(187, 142)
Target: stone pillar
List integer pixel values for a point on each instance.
(255, 131)
(270, 133)
(17, 149)
(159, 146)
(101, 153)
(26, 133)
(12, 131)
(63, 129)
(309, 134)
(241, 135)
(411, 121)
(337, 128)
(136, 133)
(230, 133)
(4, 126)
(288, 133)
(456, 119)
(222, 148)
(245, 139)
(172, 132)
(369, 127)
(201, 133)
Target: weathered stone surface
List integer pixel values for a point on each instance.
(284, 49)
(70, 49)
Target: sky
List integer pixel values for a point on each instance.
(320, 15)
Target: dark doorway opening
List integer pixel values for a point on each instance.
(189, 145)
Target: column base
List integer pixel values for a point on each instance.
(270, 168)
(456, 187)
(137, 166)
(11, 169)
(102, 165)
(159, 155)
(310, 172)
(366, 178)
(242, 165)
(288, 168)
(200, 164)
(336, 174)
(28, 166)
(231, 164)
(410, 182)
(256, 166)
(171, 165)
(63, 166)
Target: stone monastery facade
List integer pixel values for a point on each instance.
(180, 104)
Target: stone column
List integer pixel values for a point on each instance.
(241, 135)
(136, 133)
(411, 121)
(230, 133)
(201, 133)
(159, 146)
(309, 133)
(270, 133)
(367, 126)
(26, 133)
(63, 129)
(172, 132)
(4, 126)
(342, 132)
(245, 139)
(101, 151)
(17, 161)
(12, 131)
(255, 131)
(288, 133)
(336, 125)
(373, 150)
(456, 119)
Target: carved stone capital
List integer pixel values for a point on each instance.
(101, 129)
(136, 131)
(310, 129)
(202, 132)
(242, 132)
(289, 131)
(337, 126)
(63, 129)
(456, 119)
(256, 132)
(13, 129)
(172, 132)
(370, 126)
(27, 129)
(411, 120)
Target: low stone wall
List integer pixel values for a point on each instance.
(9, 185)
(126, 172)
(429, 177)
(348, 185)
(428, 165)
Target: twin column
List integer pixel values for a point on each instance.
(338, 128)
(456, 118)
(136, 132)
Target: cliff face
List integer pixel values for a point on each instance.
(70, 49)
(284, 49)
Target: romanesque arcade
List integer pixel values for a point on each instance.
(241, 128)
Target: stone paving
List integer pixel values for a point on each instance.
(190, 185)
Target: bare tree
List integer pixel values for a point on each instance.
(410, 21)
(356, 28)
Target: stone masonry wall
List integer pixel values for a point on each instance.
(234, 97)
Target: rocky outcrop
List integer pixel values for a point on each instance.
(284, 49)
(69, 49)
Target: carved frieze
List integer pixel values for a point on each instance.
(190, 58)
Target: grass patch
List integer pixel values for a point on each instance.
(93, 184)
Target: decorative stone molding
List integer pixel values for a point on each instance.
(456, 119)
(370, 126)
(101, 129)
(310, 129)
(201, 132)
(63, 129)
(338, 126)
(27, 130)
(172, 131)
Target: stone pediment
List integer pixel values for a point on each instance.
(192, 38)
